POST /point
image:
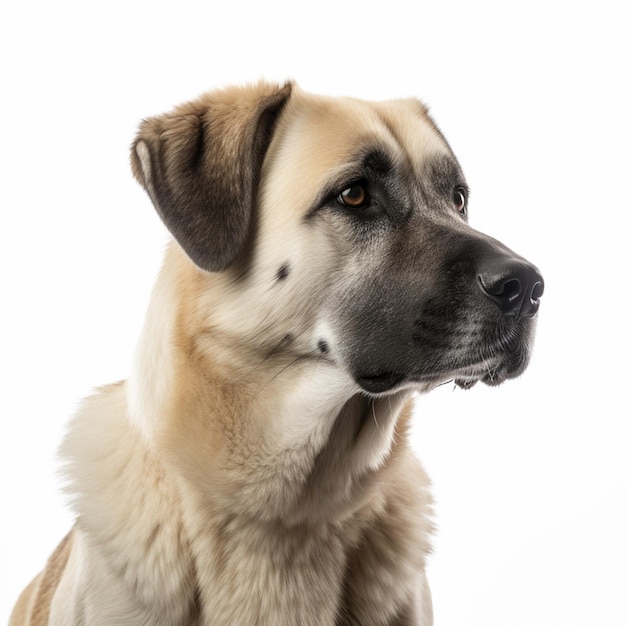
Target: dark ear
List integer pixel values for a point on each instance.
(201, 163)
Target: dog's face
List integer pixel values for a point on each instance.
(339, 229)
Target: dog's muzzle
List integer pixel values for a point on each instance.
(472, 319)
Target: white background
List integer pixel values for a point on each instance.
(529, 478)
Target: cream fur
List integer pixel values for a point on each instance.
(232, 480)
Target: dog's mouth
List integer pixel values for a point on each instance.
(492, 377)
(492, 371)
(386, 382)
(487, 353)
(380, 383)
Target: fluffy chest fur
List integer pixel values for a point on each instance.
(181, 552)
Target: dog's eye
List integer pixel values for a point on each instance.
(459, 197)
(354, 197)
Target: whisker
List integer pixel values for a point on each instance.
(299, 358)
(372, 404)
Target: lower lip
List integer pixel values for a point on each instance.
(379, 383)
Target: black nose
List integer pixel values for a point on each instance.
(513, 284)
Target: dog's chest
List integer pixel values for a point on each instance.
(278, 576)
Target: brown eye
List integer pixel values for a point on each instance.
(459, 197)
(354, 197)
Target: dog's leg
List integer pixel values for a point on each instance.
(424, 604)
(419, 611)
(385, 580)
(33, 607)
(23, 609)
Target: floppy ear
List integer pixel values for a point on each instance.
(201, 163)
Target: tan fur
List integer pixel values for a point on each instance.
(33, 606)
(239, 476)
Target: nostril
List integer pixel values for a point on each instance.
(500, 287)
(515, 286)
(537, 291)
(510, 289)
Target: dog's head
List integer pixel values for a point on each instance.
(341, 226)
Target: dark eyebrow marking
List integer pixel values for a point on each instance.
(371, 164)
(377, 161)
(444, 173)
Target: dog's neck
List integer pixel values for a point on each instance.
(253, 423)
(286, 452)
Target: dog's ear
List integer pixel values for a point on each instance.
(201, 163)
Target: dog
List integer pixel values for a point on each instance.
(255, 468)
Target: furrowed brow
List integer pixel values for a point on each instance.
(443, 172)
(371, 164)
